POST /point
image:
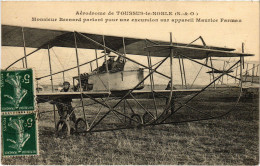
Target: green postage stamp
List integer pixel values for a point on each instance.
(18, 115)
(17, 90)
(19, 135)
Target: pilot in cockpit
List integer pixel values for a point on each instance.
(114, 64)
(110, 61)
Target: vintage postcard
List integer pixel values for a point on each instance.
(130, 83)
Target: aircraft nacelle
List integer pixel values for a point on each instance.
(116, 79)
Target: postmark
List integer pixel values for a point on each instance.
(19, 134)
(17, 90)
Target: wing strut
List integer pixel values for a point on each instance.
(24, 49)
(241, 70)
(180, 70)
(171, 58)
(124, 48)
(96, 60)
(151, 79)
(184, 74)
(107, 72)
(52, 88)
(80, 86)
(213, 75)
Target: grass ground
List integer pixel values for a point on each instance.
(230, 140)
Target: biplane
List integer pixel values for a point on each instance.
(250, 76)
(250, 80)
(116, 80)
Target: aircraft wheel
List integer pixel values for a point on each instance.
(137, 118)
(62, 129)
(147, 118)
(81, 125)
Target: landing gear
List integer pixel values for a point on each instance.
(81, 125)
(147, 118)
(171, 106)
(62, 129)
(137, 120)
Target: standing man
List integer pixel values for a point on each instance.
(64, 104)
(172, 103)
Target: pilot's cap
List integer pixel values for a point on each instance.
(112, 55)
(66, 83)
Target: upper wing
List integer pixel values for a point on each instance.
(41, 38)
(34, 38)
(192, 52)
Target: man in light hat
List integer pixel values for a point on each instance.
(111, 61)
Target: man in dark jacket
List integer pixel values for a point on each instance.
(172, 103)
(64, 104)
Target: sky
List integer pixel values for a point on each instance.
(223, 34)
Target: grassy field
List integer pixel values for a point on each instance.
(230, 140)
